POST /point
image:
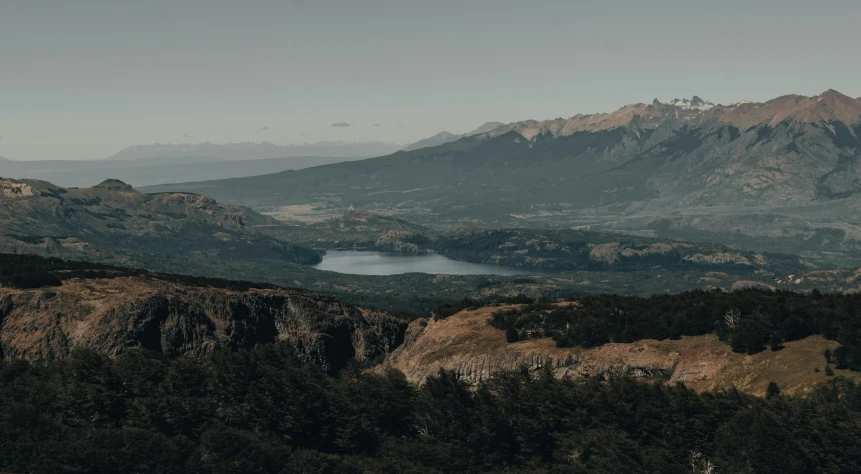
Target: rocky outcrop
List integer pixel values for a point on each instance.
(121, 314)
(465, 344)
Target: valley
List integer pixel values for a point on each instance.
(430, 237)
(187, 347)
(186, 233)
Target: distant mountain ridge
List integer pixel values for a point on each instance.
(446, 137)
(254, 150)
(111, 222)
(154, 171)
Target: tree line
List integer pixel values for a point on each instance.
(749, 320)
(31, 271)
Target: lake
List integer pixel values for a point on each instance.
(368, 262)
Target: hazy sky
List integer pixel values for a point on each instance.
(81, 79)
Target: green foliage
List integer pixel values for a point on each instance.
(30, 280)
(447, 309)
(748, 320)
(776, 341)
(30, 271)
(511, 335)
(261, 411)
(573, 250)
(772, 390)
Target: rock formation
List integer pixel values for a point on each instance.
(129, 313)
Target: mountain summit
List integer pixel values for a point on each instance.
(695, 103)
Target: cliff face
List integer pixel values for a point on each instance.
(466, 344)
(121, 314)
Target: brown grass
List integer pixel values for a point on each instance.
(465, 343)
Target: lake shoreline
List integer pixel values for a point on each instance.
(381, 263)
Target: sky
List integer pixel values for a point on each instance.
(83, 79)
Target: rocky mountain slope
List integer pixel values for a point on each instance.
(779, 175)
(113, 315)
(114, 223)
(466, 344)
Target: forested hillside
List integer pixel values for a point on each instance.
(261, 411)
(748, 320)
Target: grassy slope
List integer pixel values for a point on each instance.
(467, 344)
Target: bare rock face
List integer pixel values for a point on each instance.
(122, 314)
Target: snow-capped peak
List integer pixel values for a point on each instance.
(741, 102)
(694, 104)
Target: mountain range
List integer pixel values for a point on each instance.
(781, 175)
(153, 171)
(253, 150)
(149, 165)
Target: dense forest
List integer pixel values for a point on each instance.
(749, 320)
(30, 271)
(576, 250)
(261, 411)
